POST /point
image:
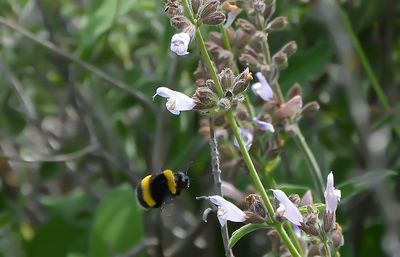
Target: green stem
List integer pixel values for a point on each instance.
(293, 237)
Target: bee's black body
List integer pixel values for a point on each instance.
(155, 190)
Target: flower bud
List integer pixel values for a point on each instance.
(249, 61)
(290, 109)
(290, 48)
(329, 220)
(307, 198)
(215, 18)
(337, 237)
(278, 23)
(256, 205)
(294, 90)
(210, 84)
(196, 5)
(242, 38)
(246, 26)
(179, 21)
(259, 6)
(269, 10)
(294, 198)
(205, 98)
(280, 60)
(226, 78)
(209, 7)
(216, 38)
(190, 29)
(173, 8)
(310, 229)
(241, 82)
(310, 107)
(224, 103)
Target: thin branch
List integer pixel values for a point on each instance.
(139, 96)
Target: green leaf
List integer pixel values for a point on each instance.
(246, 229)
(117, 225)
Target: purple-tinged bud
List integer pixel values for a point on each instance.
(256, 205)
(307, 198)
(196, 6)
(295, 90)
(226, 78)
(249, 61)
(290, 109)
(215, 18)
(179, 21)
(295, 199)
(209, 7)
(253, 218)
(278, 23)
(310, 229)
(290, 48)
(246, 26)
(216, 38)
(242, 81)
(310, 107)
(242, 38)
(205, 98)
(337, 237)
(280, 60)
(173, 8)
(269, 10)
(259, 6)
(329, 221)
(190, 29)
(224, 103)
(210, 84)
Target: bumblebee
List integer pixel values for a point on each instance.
(155, 190)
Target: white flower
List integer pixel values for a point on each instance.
(226, 210)
(180, 43)
(262, 88)
(290, 211)
(176, 101)
(265, 126)
(332, 195)
(247, 137)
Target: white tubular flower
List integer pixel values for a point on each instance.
(180, 43)
(290, 211)
(262, 88)
(332, 195)
(176, 101)
(264, 126)
(226, 210)
(247, 137)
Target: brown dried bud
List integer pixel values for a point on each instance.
(337, 237)
(215, 18)
(259, 6)
(209, 7)
(307, 198)
(269, 10)
(246, 26)
(249, 61)
(313, 251)
(224, 103)
(242, 38)
(280, 60)
(216, 38)
(253, 218)
(329, 221)
(278, 23)
(226, 78)
(290, 48)
(256, 205)
(210, 84)
(179, 21)
(241, 82)
(290, 109)
(173, 8)
(205, 98)
(196, 5)
(309, 229)
(294, 90)
(295, 199)
(310, 107)
(213, 48)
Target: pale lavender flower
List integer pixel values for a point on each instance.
(226, 210)
(332, 195)
(176, 101)
(262, 88)
(264, 126)
(247, 137)
(289, 210)
(180, 43)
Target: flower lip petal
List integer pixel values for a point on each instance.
(262, 88)
(176, 101)
(227, 210)
(265, 126)
(291, 212)
(247, 137)
(180, 43)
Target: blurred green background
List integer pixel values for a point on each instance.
(75, 139)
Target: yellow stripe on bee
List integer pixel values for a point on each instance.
(169, 175)
(145, 184)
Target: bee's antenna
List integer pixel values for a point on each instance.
(190, 165)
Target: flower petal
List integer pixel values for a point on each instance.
(262, 88)
(291, 212)
(227, 210)
(176, 101)
(332, 195)
(180, 43)
(247, 137)
(265, 126)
